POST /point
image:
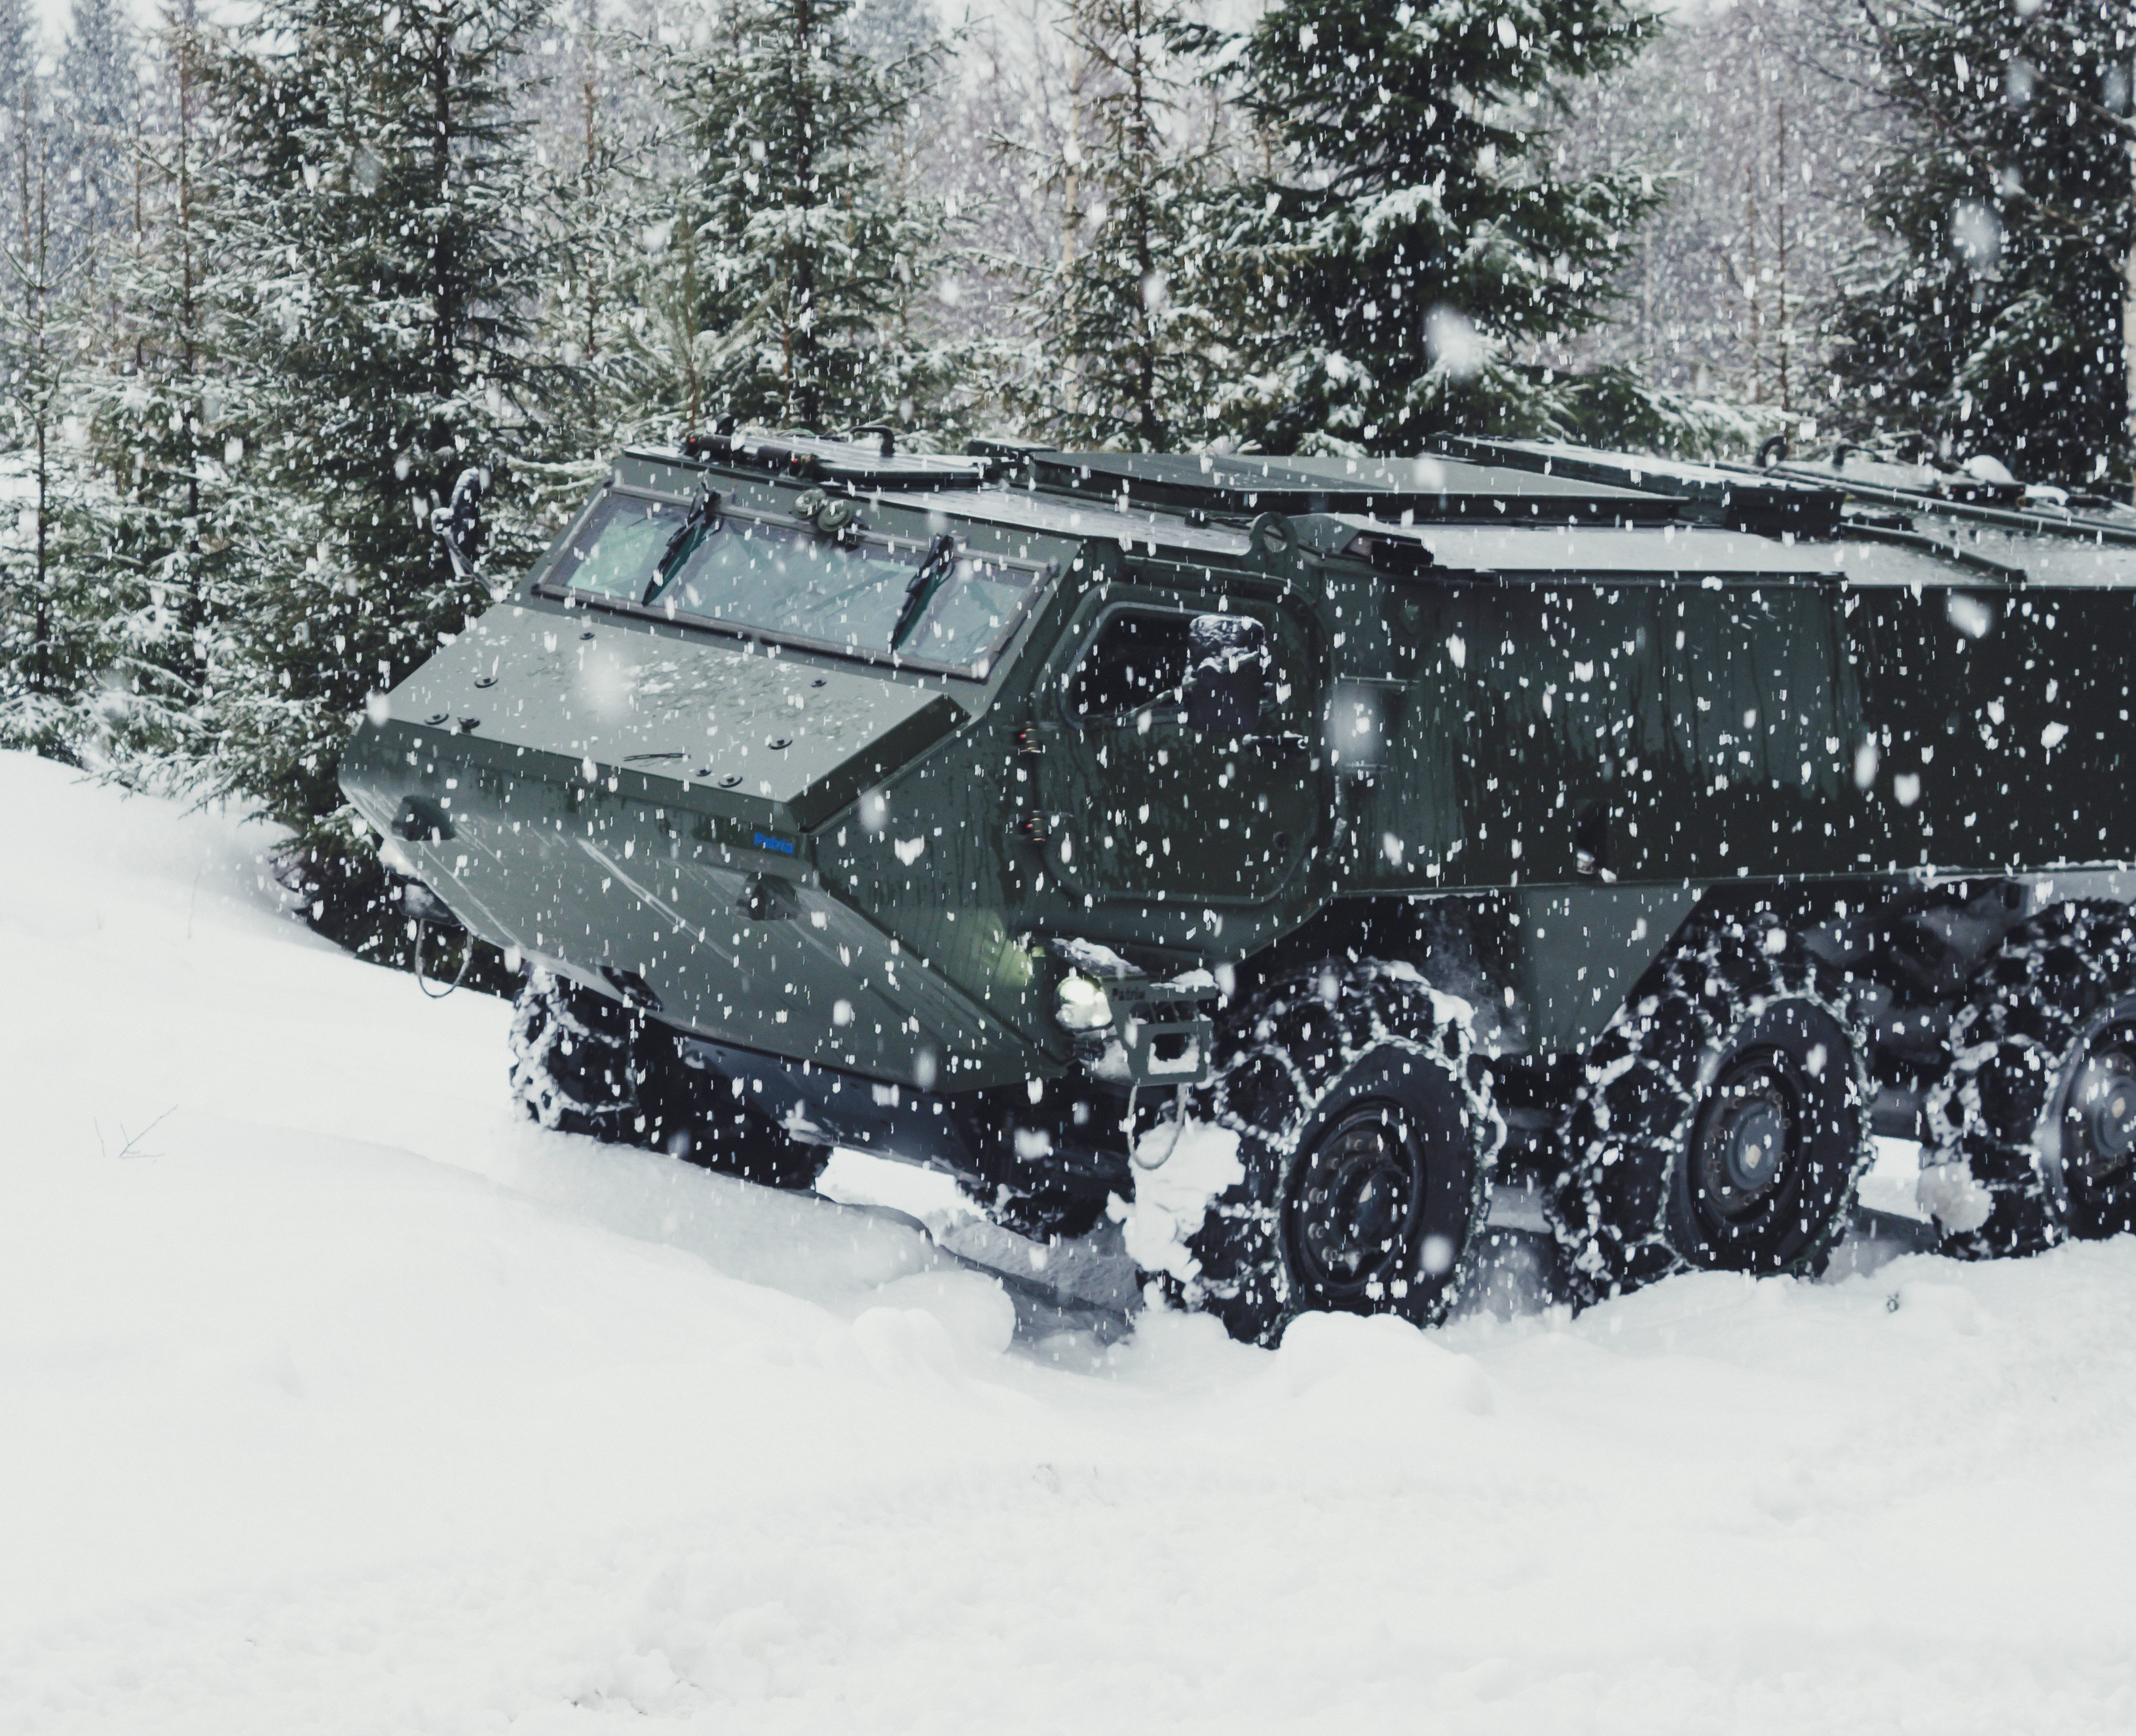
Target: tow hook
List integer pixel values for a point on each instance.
(427, 911)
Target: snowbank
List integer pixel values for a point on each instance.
(339, 1401)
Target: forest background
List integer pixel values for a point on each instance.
(272, 281)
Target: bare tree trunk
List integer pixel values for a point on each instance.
(588, 97)
(1750, 275)
(801, 323)
(445, 301)
(2128, 304)
(1780, 245)
(693, 386)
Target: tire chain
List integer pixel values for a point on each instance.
(568, 1073)
(1279, 1056)
(2028, 1004)
(1628, 1125)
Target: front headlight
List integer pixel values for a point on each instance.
(1080, 1003)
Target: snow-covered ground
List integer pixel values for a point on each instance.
(332, 1398)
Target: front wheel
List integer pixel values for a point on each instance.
(584, 1063)
(575, 1065)
(1366, 1135)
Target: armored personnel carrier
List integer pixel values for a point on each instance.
(1509, 834)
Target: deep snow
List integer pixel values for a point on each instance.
(332, 1398)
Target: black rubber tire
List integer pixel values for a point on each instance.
(1745, 1032)
(2058, 996)
(582, 1062)
(575, 1065)
(1344, 1064)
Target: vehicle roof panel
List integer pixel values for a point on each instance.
(1977, 556)
(1636, 470)
(1426, 486)
(809, 457)
(1151, 531)
(1678, 550)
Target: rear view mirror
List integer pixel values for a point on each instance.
(1227, 662)
(459, 523)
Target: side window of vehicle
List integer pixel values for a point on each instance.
(1136, 660)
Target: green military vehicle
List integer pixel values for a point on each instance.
(1508, 838)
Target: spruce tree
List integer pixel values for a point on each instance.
(1404, 236)
(99, 92)
(794, 258)
(891, 31)
(1125, 348)
(48, 639)
(379, 210)
(170, 428)
(1995, 316)
(18, 52)
(591, 123)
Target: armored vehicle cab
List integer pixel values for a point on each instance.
(1508, 833)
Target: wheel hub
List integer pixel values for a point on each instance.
(1752, 1145)
(1750, 1130)
(2103, 1114)
(1354, 1206)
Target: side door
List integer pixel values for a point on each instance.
(1144, 801)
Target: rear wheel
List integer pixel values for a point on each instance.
(2032, 1133)
(1365, 1133)
(585, 1063)
(1724, 1120)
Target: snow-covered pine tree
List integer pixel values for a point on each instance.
(18, 51)
(1125, 346)
(890, 30)
(993, 149)
(933, 323)
(168, 425)
(793, 256)
(591, 122)
(98, 95)
(379, 216)
(1404, 235)
(48, 639)
(1754, 121)
(1995, 315)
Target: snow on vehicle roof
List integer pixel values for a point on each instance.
(1919, 490)
(1428, 486)
(1686, 551)
(810, 457)
(1640, 470)
(1700, 551)
(1947, 554)
(1147, 530)
(2052, 560)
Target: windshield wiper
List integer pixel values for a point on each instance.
(684, 542)
(920, 589)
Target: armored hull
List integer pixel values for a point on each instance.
(841, 768)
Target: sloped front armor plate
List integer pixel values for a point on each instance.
(578, 687)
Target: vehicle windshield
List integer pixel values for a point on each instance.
(793, 583)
